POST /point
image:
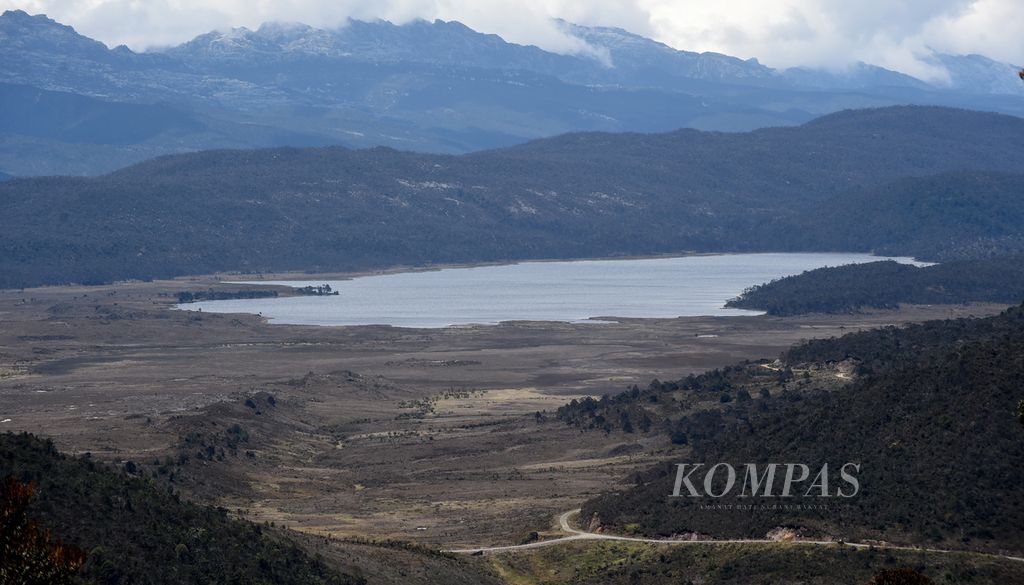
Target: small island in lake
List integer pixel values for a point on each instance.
(324, 290)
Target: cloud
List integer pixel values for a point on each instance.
(994, 28)
(780, 33)
(820, 33)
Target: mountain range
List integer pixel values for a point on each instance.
(74, 106)
(571, 196)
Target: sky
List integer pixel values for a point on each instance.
(897, 34)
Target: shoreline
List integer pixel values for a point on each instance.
(692, 299)
(223, 278)
(231, 278)
(412, 269)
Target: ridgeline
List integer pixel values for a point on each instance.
(578, 195)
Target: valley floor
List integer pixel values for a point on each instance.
(442, 437)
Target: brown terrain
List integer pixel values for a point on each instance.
(444, 437)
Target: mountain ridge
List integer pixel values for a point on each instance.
(601, 38)
(424, 86)
(578, 195)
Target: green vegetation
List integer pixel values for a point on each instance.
(578, 195)
(744, 564)
(211, 446)
(28, 554)
(323, 290)
(886, 285)
(948, 216)
(223, 295)
(900, 577)
(423, 407)
(927, 410)
(135, 531)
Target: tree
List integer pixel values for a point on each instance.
(645, 424)
(679, 437)
(29, 554)
(626, 422)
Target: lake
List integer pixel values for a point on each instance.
(572, 291)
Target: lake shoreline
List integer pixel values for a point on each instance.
(237, 277)
(573, 291)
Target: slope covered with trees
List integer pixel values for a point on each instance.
(136, 532)
(573, 196)
(948, 216)
(927, 411)
(886, 285)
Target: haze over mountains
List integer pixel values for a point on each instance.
(73, 106)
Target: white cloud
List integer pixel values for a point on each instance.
(994, 28)
(781, 33)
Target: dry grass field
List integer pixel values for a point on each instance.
(442, 437)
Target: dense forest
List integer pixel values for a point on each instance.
(133, 531)
(578, 195)
(947, 216)
(887, 285)
(929, 412)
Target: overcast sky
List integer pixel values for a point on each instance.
(781, 33)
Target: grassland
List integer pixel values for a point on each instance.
(445, 438)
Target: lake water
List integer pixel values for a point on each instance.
(571, 291)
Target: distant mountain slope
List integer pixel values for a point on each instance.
(827, 156)
(572, 196)
(948, 216)
(77, 119)
(427, 86)
(859, 76)
(979, 74)
(633, 60)
(50, 133)
(928, 412)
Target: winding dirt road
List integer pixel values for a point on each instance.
(575, 534)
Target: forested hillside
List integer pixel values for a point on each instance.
(948, 216)
(573, 196)
(887, 285)
(133, 531)
(929, 412)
